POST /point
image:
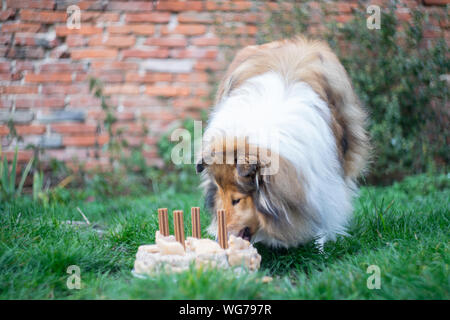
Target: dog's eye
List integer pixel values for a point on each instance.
(235, 202)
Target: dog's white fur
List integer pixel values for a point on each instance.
(277, 103)
(268, 107)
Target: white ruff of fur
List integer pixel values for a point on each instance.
(265, 107)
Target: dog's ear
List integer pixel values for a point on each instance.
(200, 166)
(279, 194)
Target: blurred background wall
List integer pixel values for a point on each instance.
(156, 62)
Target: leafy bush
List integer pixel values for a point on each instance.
(397, 78)
(8, 188)
(400, 85)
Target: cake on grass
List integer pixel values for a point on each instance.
(170, 255)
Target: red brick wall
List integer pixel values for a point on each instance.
(153, 61)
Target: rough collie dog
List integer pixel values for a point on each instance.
(284, 145)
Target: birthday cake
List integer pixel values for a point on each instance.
(174, 253)
(169, 255)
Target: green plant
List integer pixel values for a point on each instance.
(129, 170)
(396, 73)
(8, 188)
(285, 22)
(400, 85)
(40, 192)
(115, 144)
(178, 177)
(57, 195)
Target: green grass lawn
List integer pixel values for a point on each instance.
(403, 229)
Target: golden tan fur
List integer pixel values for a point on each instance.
(233, 182)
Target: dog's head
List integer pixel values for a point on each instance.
(258, 189)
